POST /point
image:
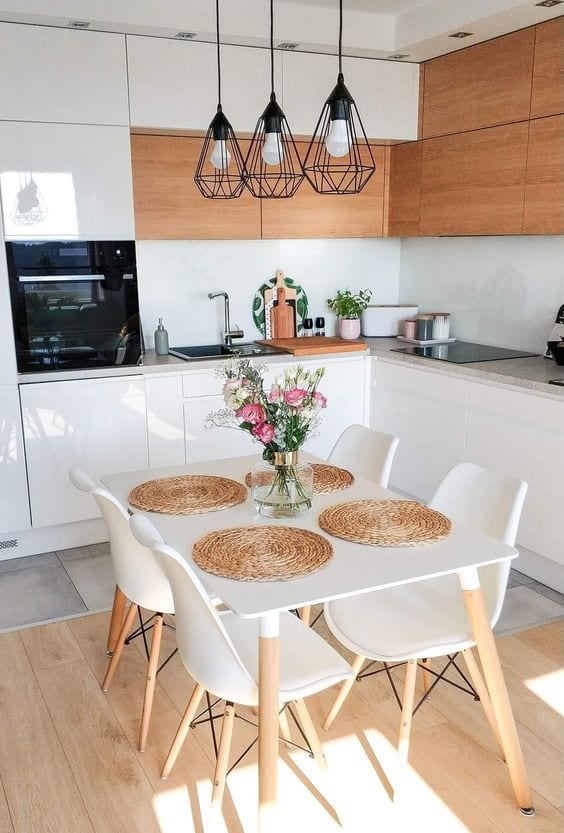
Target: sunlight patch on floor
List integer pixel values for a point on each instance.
(173, 811)
(549, 688)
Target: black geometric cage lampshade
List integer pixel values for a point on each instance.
(339, 159)
(220, 173)
(273, 166)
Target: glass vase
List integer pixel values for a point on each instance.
(283, 488)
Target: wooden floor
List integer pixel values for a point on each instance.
(68, 759)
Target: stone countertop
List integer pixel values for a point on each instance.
(532, 374)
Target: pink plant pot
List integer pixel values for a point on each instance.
(349, 328)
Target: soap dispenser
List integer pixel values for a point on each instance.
(161, 340)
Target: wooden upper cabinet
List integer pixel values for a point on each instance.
(544, 192)
(308, 214)
(548, 69)
(474, 183)
(167, 204)
(404, 195)
(484, 85)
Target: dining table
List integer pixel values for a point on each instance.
(354, 569)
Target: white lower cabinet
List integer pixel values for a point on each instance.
(427, 412)
(214, 444)
(97, 424)
(14, 502)
(165, 421)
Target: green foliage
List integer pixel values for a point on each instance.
(347, 305)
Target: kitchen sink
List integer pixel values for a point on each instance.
(214, 351)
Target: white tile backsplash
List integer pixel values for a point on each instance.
(176, 276)
(499, 290)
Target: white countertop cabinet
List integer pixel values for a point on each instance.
(62, 75)
(173, 84)
(386, 93)
(83, 176)
(97, 424)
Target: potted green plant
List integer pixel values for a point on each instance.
(347, 307)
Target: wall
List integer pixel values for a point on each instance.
(500, 290)
(176, 276)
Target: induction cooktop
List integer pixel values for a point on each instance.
(463, 352)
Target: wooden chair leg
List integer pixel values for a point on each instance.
(223, 755)
(405, 724)
(125, 630)
(482, 692)
(182, 730)
(151, 680)
(305, 614)
(116, 621)
(343, 693)
(427, 678)
(310, 732)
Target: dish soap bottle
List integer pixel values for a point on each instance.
(161, 340)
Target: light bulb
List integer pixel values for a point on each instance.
(338, 141)
(220, 156)
(272, 151)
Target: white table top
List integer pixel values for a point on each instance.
(354, 568)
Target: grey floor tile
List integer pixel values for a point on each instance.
(83, 552)
(525, 608)
(547, 592)
(37, 595)
(27, 561)
(94, 580)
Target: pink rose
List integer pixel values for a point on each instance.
(254, 414)
(231, 385)
(295, 397)
(275, 393)
(264, 431)
(320, 399)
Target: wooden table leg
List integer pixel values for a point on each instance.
(495, 682)
(269, 674)
(118, 611)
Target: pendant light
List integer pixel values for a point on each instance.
(339, 159)
(273, 166)
(220, 173)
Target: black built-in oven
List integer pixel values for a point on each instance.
(74, 304)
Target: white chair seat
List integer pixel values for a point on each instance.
(423, 619)
(308, 664)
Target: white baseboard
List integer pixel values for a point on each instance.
(50, 538)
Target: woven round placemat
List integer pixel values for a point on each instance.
(326, 478)
(385, 523)
(259, 553)
(189, 494)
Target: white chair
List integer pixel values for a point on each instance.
(140, 578)
(220, 654)
(428, 618)
(366, 452)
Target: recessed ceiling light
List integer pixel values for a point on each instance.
(287, 45)
(461, 35)
(79, 24)
(186, 35)
(548, 4)
(399, 57)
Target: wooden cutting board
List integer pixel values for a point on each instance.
(315, 345)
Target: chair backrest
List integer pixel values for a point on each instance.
(136, 570)
(204, 645)
(492, 503)
(367, 452)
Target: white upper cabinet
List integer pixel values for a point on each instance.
(173, 84)
(62, 75)
(66, 181)
(386, 93)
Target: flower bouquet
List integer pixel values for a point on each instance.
(281, 417)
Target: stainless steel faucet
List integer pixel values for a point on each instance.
(228, 333)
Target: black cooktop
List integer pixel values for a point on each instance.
(463, 352)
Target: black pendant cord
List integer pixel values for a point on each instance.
(218, 55)
(272, 46)
(340, 37)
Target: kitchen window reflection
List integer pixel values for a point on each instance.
(39, 204)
